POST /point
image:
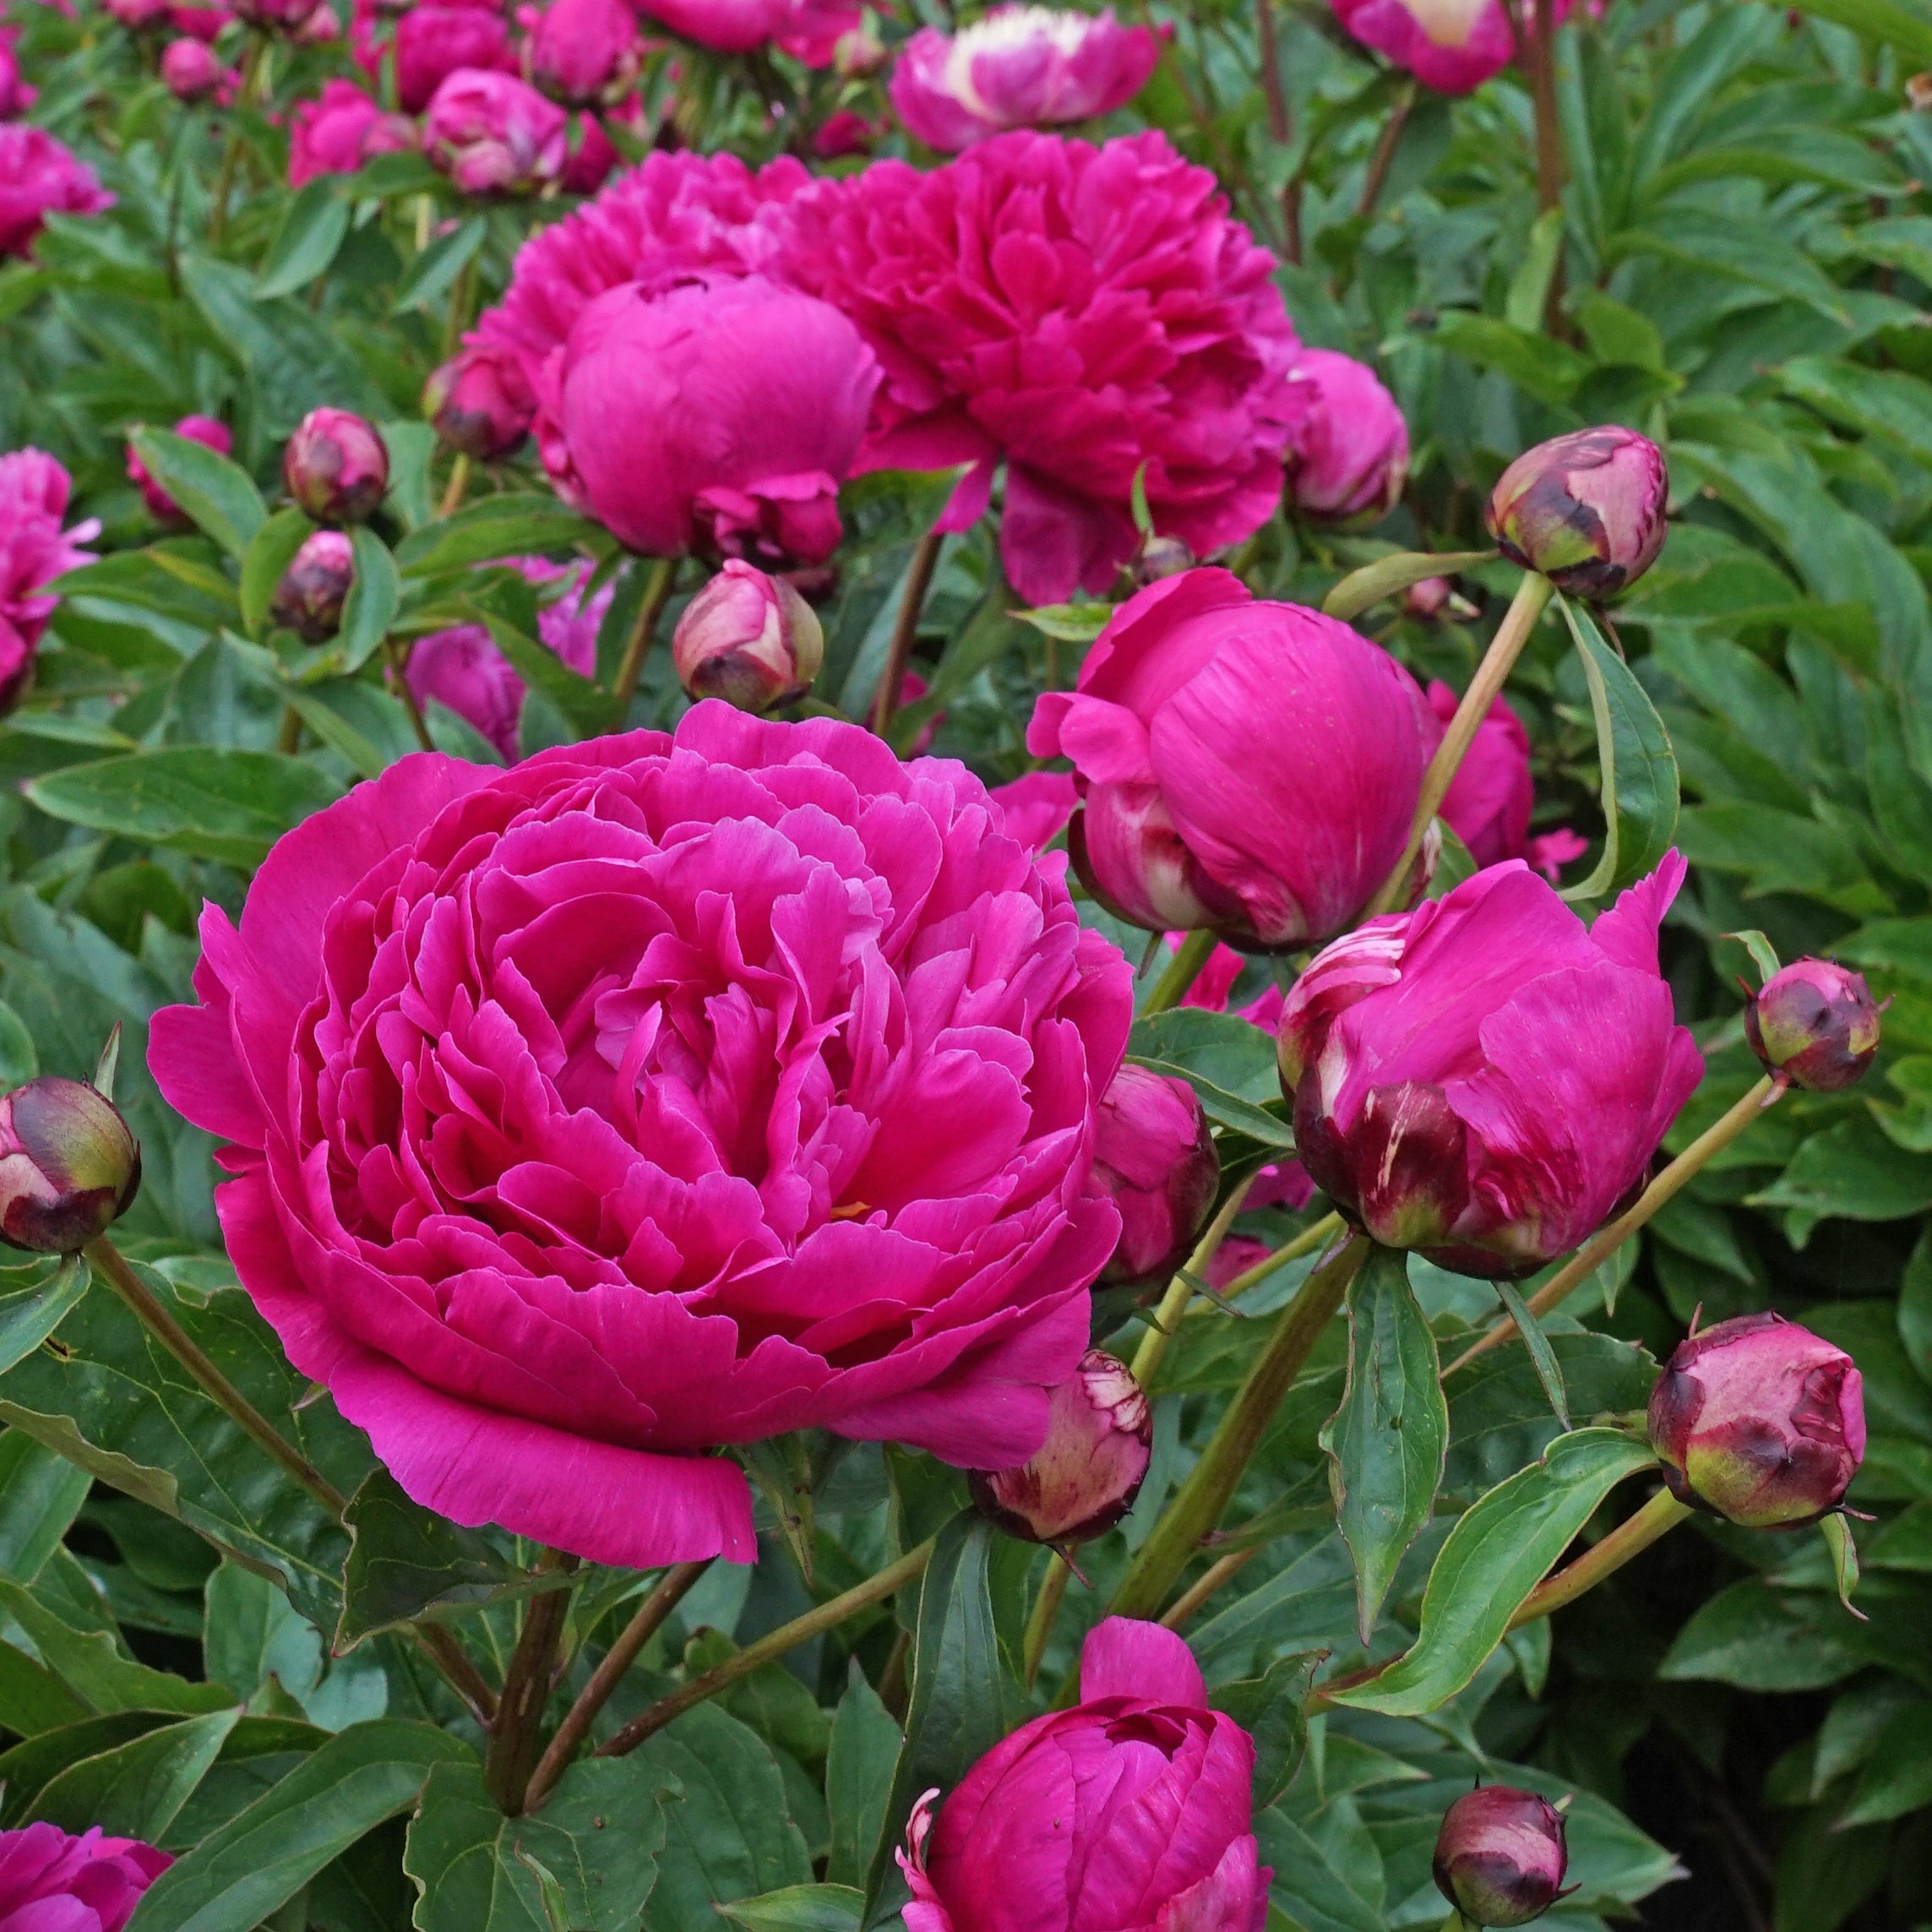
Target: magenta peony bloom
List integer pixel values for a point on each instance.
(1351, 456)
(1038, 807)
(1814, 1025)
(718, 417)
(846, 133)
(192, 70)
(1450, 46)
(1492, 796)
(584, 51)
(592, 159)
(1077, 312)
(463, 670)
(53, 1882)
(1154, 1155)
(1485, 1078)
(200, 22)
(433, 42)
(1758, 1420)
(207, 430)
(656, 1094)
(16, 97)
(33, 551)
(1500, 1856)
(274, 16)
(809, 31)
(38, 177)
(493, 134)
(1132, 1809)
(338, 131)
(137, 15)
(1018, 66)
(1248, 766)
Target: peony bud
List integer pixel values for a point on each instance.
(749, 639)
(493, 135)
(858, 52)
(274, 16)
(336, 466)
(206, 430)
(1586, 509)
(309, 599)
(68, 1166)
(1816, 1025)
(1758, 1420)
(1099, 1435)
(1153, 1155)
(1349, 461)
(1500, 1856)
(1160, 556)
(192, 70)
(480, 402)
(135, 14)
(586, 52)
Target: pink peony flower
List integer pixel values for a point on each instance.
(809, 31)
(1492, 796)
(1154, 1154)
(593, 158)
(338, 131)
(16, 97)
(33, 551)
(1038, 807)
(192, 70)
(659, 1093)
(38, 177)
(135, 15)
(480, 402)
(1077, 312)
(1018, 66)
(493, 134)
(200, 22)
(463, 670)
(1248, 766)
(1351, 456)
(846, 133)
(433, 42)
(206, 430)
(1485, 1078)
(718, 417)
(1133, 1809)
(583, 52)
(1450, 46)
(50, 1881)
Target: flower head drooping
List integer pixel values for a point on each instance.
(1500, 1856)
(1814, 1025)
(1586, 509)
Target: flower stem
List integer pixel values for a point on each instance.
(461, 297)
(1636, 1533)
(1198, 1593)
(1046, 1608)
(1197, 1508)
(1179, 1290)
(638, 644)
(231, 150)
(754, 1657)
(1311, 1238)
(1384, 157)
(1609, 1238)
(397, 665)
(1541, 55)
(668, 1592)
(1533, 594)
(511, 1755)
(464, 1678)
(457, 488)
(905, 632)
(1180, 973)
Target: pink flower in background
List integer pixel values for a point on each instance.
(655, 1094)
(1154, 1155)
(463, 670)
(192, 70)
(50, 1881)
(1492, 796)
(846, 133)
(200, 22)
(135, 15)
(206, 430)
(1248, 766)
(1352, 455)
(33, 551)
(1133, 1809)
(38, 177)
(1485, 1078)
(809, 31)
(1038, 807)
(1450, 46)
(719, 417)
(338, 131)
(1076, 312)
(16, 97)
(583, 52)
(593, 158)
(433, 42)
(493, 134)
(1018, 66)
(480, 403)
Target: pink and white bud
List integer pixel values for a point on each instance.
(749, 639)
(1587, 510)
(68, 1166)
(1814, 1025)
(336, 466)
(309, 599)
(1153, 1155)
(1500, 1856)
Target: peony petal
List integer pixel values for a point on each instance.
(1125, 1657)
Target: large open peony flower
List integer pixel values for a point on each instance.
(40, 177)
(33, 551)
(655, 1094)
(1076, 312)
(50, 1881)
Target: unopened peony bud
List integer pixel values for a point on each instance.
(68, 1166)
(206, 430)
(309, 599)
(749, 639)
(494, 136)
(858, 52)
(1586, 509)
(1758, 1420)
(1153, 1155)
(135, 14)
(1160, 556)
(586, 52)
(192, 70)
(1500, 1856)
(1816, 1025)
(274, 16)
(480, 402)
(336, 466)
(1099, 1435)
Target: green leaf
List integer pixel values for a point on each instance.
(1639, 769)
(1880, 20)
(405, 1562)
(1538, 364)
(40, 1495)
(597, 1838)
(1898, 1777)
(1758, 1637)
(1387, 1442)
(371, 606)
(230, 806)
(1271, 1709)
(1529, 287)
(91, 1665)
(800, 1908)
(29, 1766)
(1894, 408)
(433, 273)
(859, 1764)
(1844, 1553)
(587, 708)
(1499, 1550)
(1764, 953)
(1316, 1893)
(253, 1639)
(492, 529)
(1068, 623)
(218, 495)
(136, 1790)
(33, 1700)
(1363, 590)
(886, 508)
(357, 719)
(1542, 1356)
(1851, 1171)
(29, 1315)
(266, 561)
(1229, 1064)
(313, 228)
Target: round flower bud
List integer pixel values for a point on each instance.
(480, 402)
(192, 70)
(1586, 509)
(1816, 1025)
(284, 16)
(1153, 1155)
(1100, 1437)
(1500, 1856)
(68, 1166)
(209, 431)
(336, 466)
(749, 639)
(135, 14)
(1758, 1420)
(1160, 556)
(309, 599)
(585, 52)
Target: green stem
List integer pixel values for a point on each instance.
(232, 150)
(1197, 1508)
(1311, 1238)
(511, 1754)
(457, 487)
(1635, 1534)
(768, 1649)
(1198, 1593)
(1533, 594)
(1387, 145)
(1046, 1608)
(638, 644)
(461, 297)
(1609, 1238)
(396, 662)
(905, 632)
(1175, 1303)
(1181, 971)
